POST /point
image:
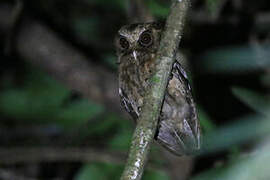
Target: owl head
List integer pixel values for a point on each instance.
(137, 40)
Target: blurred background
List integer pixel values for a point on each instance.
(59, 106)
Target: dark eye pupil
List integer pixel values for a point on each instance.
(124, 43)
(146, 39)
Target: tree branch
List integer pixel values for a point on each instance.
(41, 47)
(38, 45)
(7, 174)
(18, 155)
(148, 120)
(34, 155)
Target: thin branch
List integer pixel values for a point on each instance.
(22, 155)
(34, 155)
(38, 45)
(41, 47)
(148, 120)
(7, 174)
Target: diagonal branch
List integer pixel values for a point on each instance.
(148, 120)
(38, 45)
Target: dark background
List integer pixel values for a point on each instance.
(59, 106)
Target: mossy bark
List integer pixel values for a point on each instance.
(148, 120)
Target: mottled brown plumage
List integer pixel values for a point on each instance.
(178, 128)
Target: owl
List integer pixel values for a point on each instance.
(178, 127)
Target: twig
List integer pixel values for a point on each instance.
(34, 155)
(22, 155)
(148, 120)
(7, 174)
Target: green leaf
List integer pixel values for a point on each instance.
(39, 99)
(14, 103)
(256, 101)
(241, 131)
(45, 94)
(212, 174)
(253, 167)
(239, 59)
(158, 9)
(91, 172)
(41, 85)
(102, 124)
(121, 141)
(206, 123)
(122, 138)
(155, 175)
(78, 113)
(99, 171)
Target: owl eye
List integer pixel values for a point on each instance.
(124, 43)
(146, 39)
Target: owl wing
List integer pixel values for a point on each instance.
(179, 129)
(125, 102)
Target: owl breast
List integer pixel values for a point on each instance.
(178, 128)
(134, 81)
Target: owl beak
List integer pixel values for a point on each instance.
(134, 53)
